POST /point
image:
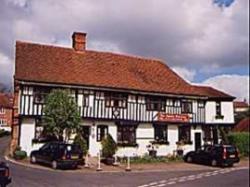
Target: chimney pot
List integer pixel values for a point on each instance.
(79, 41)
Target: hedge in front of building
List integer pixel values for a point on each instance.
(241, 141)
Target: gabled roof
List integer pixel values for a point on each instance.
(213, 93)
(51, 64)
(240, 104)
(5, 100)
(242, 126)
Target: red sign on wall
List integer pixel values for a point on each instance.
(173, 117)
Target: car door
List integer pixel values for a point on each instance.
(42, 152)
(205, 155)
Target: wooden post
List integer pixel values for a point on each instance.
(115, 163)
(86, 165)
(128, 164)
(99, 162)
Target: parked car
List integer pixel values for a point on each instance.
(215, 155)
(58, 155)
(5, 178)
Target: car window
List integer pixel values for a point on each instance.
(231, 149)
(45, 147)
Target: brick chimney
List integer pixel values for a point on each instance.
(79, 41)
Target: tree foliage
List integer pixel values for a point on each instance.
(109, 146)
(61, 116)
(79, 140)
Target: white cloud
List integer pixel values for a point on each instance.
(185, 73)
(236, 85)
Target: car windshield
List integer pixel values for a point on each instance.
(72, 148)
(231, 149)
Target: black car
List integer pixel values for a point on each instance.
(215, 155)
(5, 178)
(58, 155)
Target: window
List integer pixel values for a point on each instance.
(116, 100)
(85, 100)
(126, 134)
(185, 134)
(102, 132)
(207, 132)
(39, 129)
(186, 107)
(218, 109)
(201, 104)
(3, 122)
(161, 133)
(40, 95)
(155, 103)
(2, 110)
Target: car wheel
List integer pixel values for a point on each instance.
(189, 159)
(214, 163)
(54, 164)
(33, 159)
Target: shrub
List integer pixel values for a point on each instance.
(109, 146)
(20, 155)
(4, 133)
(79, 140)
(241, 141)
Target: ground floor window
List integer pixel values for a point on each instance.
(160, 133)
(102, 132)
(185, 134)
(126, 135)
(207, 133)
(3, 122)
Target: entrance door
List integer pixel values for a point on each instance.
(215, 136)
(86, 133)
(197, 138)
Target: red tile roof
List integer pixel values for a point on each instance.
(212, 92)
(50, 64)
(5, 100)
(240, 104)
(242, 126)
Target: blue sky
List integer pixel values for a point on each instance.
(204, 41)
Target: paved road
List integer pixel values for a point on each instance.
(29, 177)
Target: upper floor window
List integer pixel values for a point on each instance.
(2, 110)
(218, 108)
(155, 103)
(201, 104)
(40, 95)
(85, 100)
(186, 107)
(116, 100)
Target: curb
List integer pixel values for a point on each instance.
(95, 172)
(7, 158)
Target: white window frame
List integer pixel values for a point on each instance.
(2, 110)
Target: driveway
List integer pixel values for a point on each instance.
(28, 177)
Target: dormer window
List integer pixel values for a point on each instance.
(155, 104)
(117, 100)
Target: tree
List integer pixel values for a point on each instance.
(79, 140)
(109, 146)
(61, 116)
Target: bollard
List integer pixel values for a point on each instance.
(128, 164)
(115, 163)
(86, 165)
(99, 162)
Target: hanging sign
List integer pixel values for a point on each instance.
(161, 116)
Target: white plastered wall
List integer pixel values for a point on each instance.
(226, 110)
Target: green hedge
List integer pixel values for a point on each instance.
(20, 155)
(4, 133)
(241, 141)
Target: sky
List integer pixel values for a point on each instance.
(204, 41)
